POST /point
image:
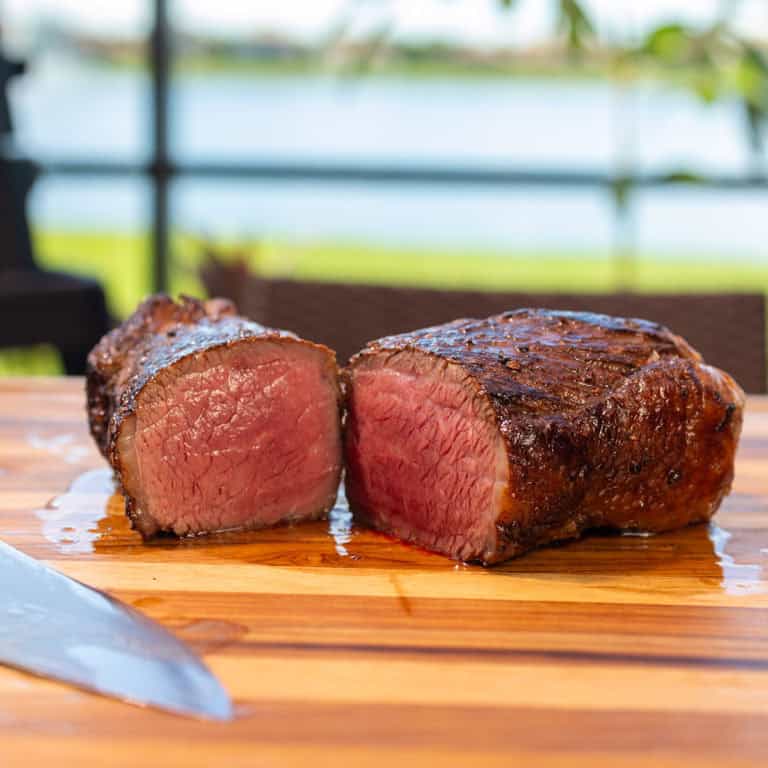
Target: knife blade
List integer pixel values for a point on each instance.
(54, 626)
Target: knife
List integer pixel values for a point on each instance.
(54, 626)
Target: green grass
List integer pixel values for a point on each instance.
(40, 360)
(488, 270)
(419, 68)
(427, 69)
(121, 262)
(558, 67)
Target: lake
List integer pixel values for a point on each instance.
(64, 110)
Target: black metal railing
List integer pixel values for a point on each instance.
(159, 50)
(161, 169)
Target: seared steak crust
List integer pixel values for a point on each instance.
(160, 335)
(607, 422)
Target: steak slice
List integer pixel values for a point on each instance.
(212, 422)
(482, 439)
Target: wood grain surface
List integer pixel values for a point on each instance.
(341, 646)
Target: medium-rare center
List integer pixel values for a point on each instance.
(213, 422)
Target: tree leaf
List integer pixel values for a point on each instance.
(575, 23)
(707, 86)
(756, 57)
(669, 43)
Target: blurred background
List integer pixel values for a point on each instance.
(353, 167)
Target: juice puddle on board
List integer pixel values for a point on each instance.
(739, 577)
(340, 526)
(90, 517)
(90, 510)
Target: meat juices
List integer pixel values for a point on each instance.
(483, 439)
(212, 422)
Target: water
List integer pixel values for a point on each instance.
(69, 111)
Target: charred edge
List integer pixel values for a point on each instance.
(694, 373)
(513, 540)
(730, 409)
(674, 476)
(98, 407)
(140, 522)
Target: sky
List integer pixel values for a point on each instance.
(471, 21)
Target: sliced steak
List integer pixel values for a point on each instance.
(482, 439)
(212, 422)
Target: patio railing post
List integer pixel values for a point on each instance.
(159, 67)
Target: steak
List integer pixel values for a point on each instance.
(212, 422)
(483, 439)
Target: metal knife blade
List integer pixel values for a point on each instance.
(56, 627)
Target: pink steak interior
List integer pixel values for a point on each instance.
(425, 460)
(243, 436)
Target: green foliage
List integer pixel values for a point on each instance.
(575, 24)
(667, 43)
(713, 62)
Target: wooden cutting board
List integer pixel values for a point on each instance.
(342, 646)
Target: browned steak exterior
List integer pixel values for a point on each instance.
(159, 331)
(604, 422)
(205, 376)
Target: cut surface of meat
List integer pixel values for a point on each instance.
(433, 459)
(213, 422)
(482, 439)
